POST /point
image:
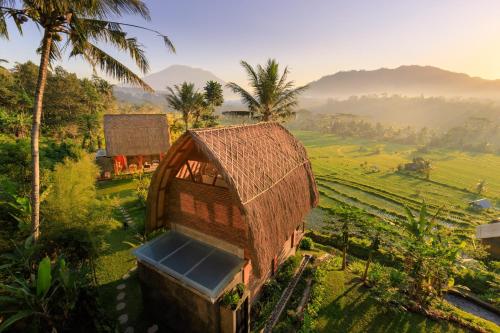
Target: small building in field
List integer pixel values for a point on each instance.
(238, 114)
(234, 200)
(489, 234)
(136, 142)
(480, 204)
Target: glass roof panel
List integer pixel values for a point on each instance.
(186, 257)
(163, 246)
(214, 269)
(200, 265)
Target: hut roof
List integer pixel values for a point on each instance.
(482, 203)
(136, 134)
(266, 169)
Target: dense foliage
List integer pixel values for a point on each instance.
(196, 108)
(73, 106)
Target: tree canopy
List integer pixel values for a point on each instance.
(273, 97)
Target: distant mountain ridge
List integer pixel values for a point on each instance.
(176, 74)
(407, 80)
(413, 80)
(169, 77)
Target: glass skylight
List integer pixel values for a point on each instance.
(200, 265)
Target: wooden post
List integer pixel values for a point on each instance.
(140, 162)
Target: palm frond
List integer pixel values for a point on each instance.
(55, 53)
(102, 31)
(4, 32)
(118, 26)
(107, 8)
(246, 97)
(252, 75)
(97, 57)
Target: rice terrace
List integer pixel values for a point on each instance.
(344, 170)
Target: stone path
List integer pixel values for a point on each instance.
(121, 301)
(128, 220)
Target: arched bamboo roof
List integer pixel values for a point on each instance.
(267, 171)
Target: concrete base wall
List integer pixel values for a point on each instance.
(175, 306)
(494, 246)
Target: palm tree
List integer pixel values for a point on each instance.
(273, 96)
(347, 221)
(185, 99)
(77, 26)
(373, 249)
(214, 95)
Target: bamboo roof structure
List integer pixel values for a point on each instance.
(267, 171)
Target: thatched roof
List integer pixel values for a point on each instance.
(136, 134)
(266, 169)
(481, 203)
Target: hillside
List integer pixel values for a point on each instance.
(407, 80)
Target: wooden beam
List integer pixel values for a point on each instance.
(190, 171)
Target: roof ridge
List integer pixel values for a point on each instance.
(210, 129)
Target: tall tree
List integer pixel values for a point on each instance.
(430, 256)
(78, 26)
(346, 222)
(185, 99)
(273, 96)
(214, 97)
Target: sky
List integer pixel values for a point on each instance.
(312, 37)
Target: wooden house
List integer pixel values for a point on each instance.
(234, 200)
(136, 142)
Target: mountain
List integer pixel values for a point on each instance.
(168, 77)
(176, 74)
(406, 80)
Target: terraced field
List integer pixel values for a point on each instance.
(363, 174)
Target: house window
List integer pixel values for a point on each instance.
(200, 172)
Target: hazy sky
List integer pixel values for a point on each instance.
(312, 37)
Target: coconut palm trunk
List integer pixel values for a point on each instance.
(35, 134)
(367, 266)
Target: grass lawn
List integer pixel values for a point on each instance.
(350, 308)
(117, 259)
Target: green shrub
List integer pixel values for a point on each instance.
(287, 270)
(76, 244)
(285, 326)
(72, 194)
(51, 298)
(270, 289)
(230, 299)
(306, 243)
(141, 189)
(356, 268)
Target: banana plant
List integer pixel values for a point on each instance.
(40, 296)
